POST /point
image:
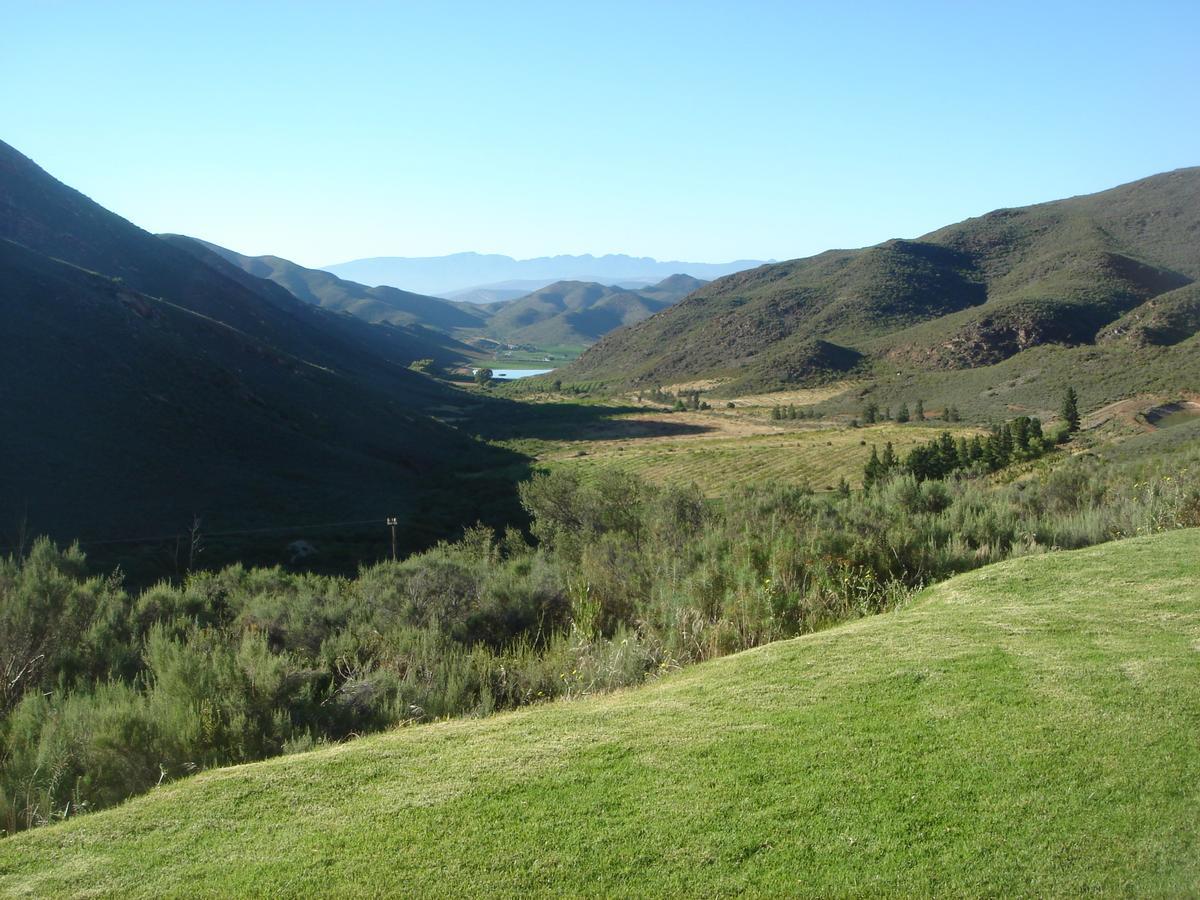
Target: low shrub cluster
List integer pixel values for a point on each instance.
(106, 693)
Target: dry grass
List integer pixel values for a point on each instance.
(736, 450)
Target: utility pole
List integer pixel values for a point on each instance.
(392, 522)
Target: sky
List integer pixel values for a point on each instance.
(695, 131)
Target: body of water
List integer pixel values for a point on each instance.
(510, 374)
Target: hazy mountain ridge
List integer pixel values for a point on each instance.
(463, 272)
(970, 294)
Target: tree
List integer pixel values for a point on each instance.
(871, 413)
(1020, 433)
(1070, 410)
(902, 415)
(483, 376)
(919, 412)
(889, 460)
(873, 470)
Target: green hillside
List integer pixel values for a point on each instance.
(1070, 273)
(1028, 728)
(578, 312)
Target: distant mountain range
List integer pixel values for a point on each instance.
(566, 313)
(462, 275)
(1117, 269)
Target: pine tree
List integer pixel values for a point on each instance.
(889, 460)
(1020, 433)
(919, 411)
(947, 453)
(902, 415)
(977, 449)
(871, 472)
(1070, 410)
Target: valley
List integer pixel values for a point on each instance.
(868, 572)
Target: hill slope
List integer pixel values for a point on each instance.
(374, 304)
(1028, 728)
(144, 383)
(577, 312)
(969, 295)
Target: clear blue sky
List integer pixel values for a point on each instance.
(699, 131)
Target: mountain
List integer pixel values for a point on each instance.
(1113, 266)
(143, 383)
(465, 272)
(373, 304)
(1025, 729)
(495, 293)
(576, 312)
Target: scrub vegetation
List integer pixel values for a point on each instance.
(109, 692)
(1027, 729)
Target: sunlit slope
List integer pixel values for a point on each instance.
(1077, 273)
(1029, 728)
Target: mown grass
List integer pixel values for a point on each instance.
(1025, 729)
(818, 456)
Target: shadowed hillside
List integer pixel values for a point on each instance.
(374, 304)
(143, 385)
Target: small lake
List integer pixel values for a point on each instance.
(510, 374)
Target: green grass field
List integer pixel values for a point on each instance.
(817, 456)
(1026, 729)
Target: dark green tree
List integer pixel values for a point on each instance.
(1070, 410)
(873, 470)
(889, 460)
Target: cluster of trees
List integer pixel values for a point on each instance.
(1014, 441)
(872, 413)
(779, 412)
(689, 400)
(657, 395)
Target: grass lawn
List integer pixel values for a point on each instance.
(1030, 728)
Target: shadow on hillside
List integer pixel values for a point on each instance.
(498, 419)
